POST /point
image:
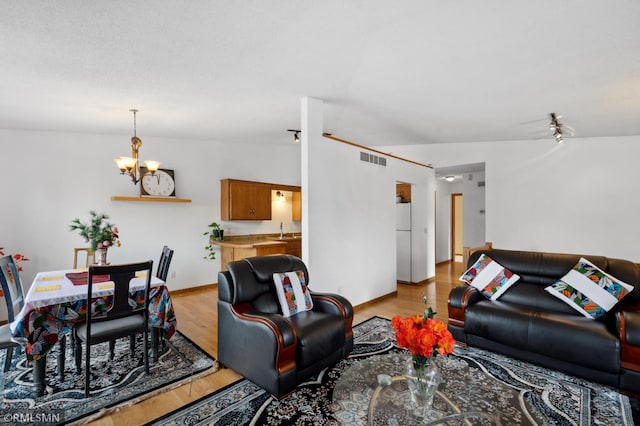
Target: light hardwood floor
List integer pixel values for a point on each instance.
(192, 306)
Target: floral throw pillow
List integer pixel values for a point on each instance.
(589, 290)
(293, 294)
(488, 276)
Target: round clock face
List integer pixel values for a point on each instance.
(160, 184)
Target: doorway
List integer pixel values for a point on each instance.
(403, 233)
(456, 227)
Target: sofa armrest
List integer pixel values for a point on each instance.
(332, 304)
(272, 333)
(336, 305)
(281, 328)
(459, 298)
(629, 329)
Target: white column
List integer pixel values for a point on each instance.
(312, 127)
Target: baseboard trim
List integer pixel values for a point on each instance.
(377, 299)
(423, 282)
(196, 289)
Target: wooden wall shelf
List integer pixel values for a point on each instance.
(151, 199)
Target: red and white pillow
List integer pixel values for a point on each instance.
(293, 294)
(489, 277)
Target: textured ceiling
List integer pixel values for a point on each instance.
(404, 72)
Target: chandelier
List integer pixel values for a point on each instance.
(130, 166)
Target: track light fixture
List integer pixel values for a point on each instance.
(296, 135)
(556, 127)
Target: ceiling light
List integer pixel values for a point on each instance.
(556, 127)
(130, 166)
(296, 135)
(449, 178)
(558, 137)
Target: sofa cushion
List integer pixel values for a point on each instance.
(589, 290)
(319, 335)
(534, 296)
(570, 337)
(488, 276)
(293, 294)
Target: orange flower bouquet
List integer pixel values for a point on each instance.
(425, 338)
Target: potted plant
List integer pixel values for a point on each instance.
(99, 233)
(215, 233)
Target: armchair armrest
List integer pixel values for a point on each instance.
(332, 304)
(336, 305)
(281, 328)
(271, 333)
(459, 299)
(629, 329)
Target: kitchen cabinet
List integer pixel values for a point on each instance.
(296, 206)
(230, 253)
(294, 247)
(403, 190)
(244, 200)
(243, 246)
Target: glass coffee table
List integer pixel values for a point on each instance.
(374, 392)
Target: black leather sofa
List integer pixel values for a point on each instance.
(257, 341)
(528, 323)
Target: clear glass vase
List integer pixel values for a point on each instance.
(423, 379)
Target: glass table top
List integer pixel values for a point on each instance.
(468, 395)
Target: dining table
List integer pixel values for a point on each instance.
(57, 300)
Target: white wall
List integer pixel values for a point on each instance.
(577, 197)
(473, 210)
(51, 178)
(349, 215)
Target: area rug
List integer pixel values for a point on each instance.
(559, 399)
(114, 383)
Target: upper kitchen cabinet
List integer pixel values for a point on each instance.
(403, 190)
(244, 200)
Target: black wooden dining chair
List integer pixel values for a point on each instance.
(163, 264)
(12, 291)
(122, 320)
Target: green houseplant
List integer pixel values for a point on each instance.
(99, 233)
(215, 233)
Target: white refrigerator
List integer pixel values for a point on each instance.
(403, 242)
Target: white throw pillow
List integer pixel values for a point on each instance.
(488, 276)
(589, 290)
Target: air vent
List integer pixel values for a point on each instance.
(370, 158)
(481, 184)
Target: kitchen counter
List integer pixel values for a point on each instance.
(242, 246)
(249, 243)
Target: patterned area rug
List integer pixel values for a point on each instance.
(114, 383)
(544, 396)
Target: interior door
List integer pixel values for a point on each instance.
(456, 227)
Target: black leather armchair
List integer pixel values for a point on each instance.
(275, 352)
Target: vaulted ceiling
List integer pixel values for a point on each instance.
(402, 72)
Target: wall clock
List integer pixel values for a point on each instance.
(160, 184)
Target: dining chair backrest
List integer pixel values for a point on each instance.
(89, 256)
(121, 276)
(163, 265)
(11, 287)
